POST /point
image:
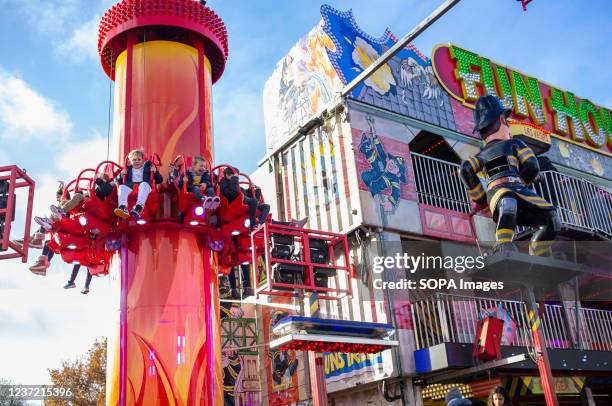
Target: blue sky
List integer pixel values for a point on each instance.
(54, 113)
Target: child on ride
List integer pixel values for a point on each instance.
(230, 188)
(137, 173)
(65, 204)
(104, 187)
(198, 179)
(73, 275)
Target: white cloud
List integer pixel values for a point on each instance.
(49, 16)
(44, 324)
(79, 155)
(82, 45)
(41, 323)
(26, 115)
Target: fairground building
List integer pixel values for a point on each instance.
(381, 166)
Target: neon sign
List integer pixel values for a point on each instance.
(466, 76)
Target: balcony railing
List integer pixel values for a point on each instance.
(438, 183)
(581, 204)
(452, 318)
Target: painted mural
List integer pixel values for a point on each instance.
(281, 366)
(387, 171)
(337, 50)
(301, 85)
(406, 84)
(239, 357)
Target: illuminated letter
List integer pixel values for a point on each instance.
(566, 120)
(463, 71)
(505, 91)
(606, 117)
(488, 82)
(593, 129)
(527, 100)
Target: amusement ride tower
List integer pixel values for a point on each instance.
(164, 56)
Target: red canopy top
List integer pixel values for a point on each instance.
(178, 20)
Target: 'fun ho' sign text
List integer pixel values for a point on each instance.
(466, 76)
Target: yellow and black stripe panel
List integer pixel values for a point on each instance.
(504, 235)
(523, 194)
(477, 192)
(513, 161)
(475, 164)
(540, 248)
(525, 154)
(534, 321)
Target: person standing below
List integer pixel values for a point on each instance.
(137, 173)
(509, 167)
(454, 397)
(499, 397)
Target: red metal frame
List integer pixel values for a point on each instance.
(301, 236)
(17, 179)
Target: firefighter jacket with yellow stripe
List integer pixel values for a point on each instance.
(508, 168)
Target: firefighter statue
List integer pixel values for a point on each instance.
(508, 166)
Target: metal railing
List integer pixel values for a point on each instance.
(580, 204)
(452, 318)
(438, 183)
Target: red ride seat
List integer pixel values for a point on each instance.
(68, 226)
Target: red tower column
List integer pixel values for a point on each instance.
(164, 56)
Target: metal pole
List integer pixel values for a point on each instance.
(539, 345)
(399, 45)
(315, 359)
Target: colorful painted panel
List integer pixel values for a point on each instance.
(447, 224)
(239, 357)
(281, 366)
(582, 159)
(300, 86)
(405, 85)
(384, 167)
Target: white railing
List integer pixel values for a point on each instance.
(452, 318)
(438, 183)
(581, 205)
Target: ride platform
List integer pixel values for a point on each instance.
(520, 269)
(325, 335)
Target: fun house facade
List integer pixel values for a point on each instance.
(381, 165)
